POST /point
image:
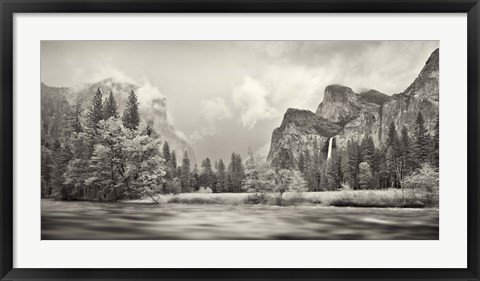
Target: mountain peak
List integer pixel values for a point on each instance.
(426, 84)
(338, 93)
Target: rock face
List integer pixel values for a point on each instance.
(421, 96)
(300, 130)
(56, 102)
(346, 115)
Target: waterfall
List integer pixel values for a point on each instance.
(329, 155)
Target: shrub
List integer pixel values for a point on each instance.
(377, 199)
(426, 182)
(256, 198)
(204, 190)
(195, 200)
(173, 186)
(288, 180)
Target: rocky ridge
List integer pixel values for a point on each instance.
(346, 115)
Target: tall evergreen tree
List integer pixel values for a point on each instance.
(391, 166)
(365, 175)
(421, 147)
(74, 123)
(436, 145)
(166, 153)
(194, 179)
(207, 177)
(353, 155)
(61, 155)
(392, 139)
(405, 145)
(368, 150)
(301, 162)
(46, 167)
(95, 113)
(345, 168)
(236, 172)
(174, 159)
(185, 176)
(131, 116)
(221, 175)
(110, 107)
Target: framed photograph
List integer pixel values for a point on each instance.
(237, 140)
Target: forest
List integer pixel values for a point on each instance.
(105, 155)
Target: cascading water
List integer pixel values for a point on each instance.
(329, 155)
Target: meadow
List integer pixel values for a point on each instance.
(386, 198)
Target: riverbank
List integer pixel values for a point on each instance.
(394, 198)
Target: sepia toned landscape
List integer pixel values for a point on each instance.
(240, 140)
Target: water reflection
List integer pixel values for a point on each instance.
(125, 221)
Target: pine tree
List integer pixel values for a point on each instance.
(74, 123)
(174, 159)
(347, 177)
(392, 139)
(368, 150)
(436, 145)
(365, 175)
(110, 107)
(221, 175)
(390, 165)
(314, 174)
(185, 176)
(236, 172)
(194, 179)
(301, 162)
(131, 116)
(207, 177)
(332, 172)
(310, 173)
(394, 156)
(405, 151)
(421, 147)
(46, 168)
(95, 113)
(354, 160)
(61, 155)
(166, 153)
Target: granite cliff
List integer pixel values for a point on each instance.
(346, 115)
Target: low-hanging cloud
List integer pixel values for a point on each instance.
(215, 109)
(251, 99)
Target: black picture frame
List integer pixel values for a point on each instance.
(9, 7)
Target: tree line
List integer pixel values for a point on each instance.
(105, 156)
(102, 156)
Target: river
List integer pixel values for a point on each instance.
(126, 221)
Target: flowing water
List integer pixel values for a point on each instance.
(329, 154)
(97, 221)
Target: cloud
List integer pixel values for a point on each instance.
(199, 136)
(215, 109)
(251, 98)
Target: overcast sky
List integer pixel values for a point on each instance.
(228, 96)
